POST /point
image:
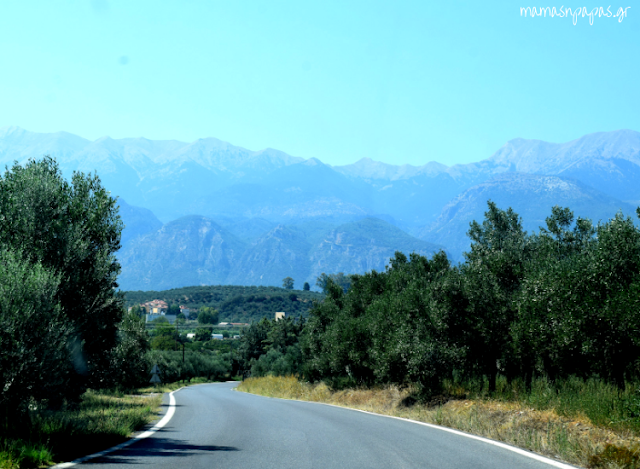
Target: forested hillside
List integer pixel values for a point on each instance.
(234, 303)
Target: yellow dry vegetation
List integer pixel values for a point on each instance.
(575, 440)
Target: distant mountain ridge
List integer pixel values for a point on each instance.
(366, 168)
(138, 221)
(147, 173)
(531, 196)
(192, 250)
(267, 208)
(175, 179)
(607, 161)
(139, 153)
(196, 250)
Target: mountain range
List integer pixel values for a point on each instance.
(210, 212)
(195, 250)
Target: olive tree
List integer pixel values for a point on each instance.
(493, 272)
(34, 335)
(71, 229)
(208, 315)
(129, 365)
(287, 283)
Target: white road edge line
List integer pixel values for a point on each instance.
(499, 444)
(165, 420)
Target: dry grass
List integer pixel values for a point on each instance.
(575, 440)
(102, 419)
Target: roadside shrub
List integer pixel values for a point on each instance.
(612, 454)
(129, 365)
(277, 363)
(196, 364)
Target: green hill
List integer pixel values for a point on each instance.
(235, 303)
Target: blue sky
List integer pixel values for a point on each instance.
(399, 82)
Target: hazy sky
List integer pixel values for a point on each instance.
(399, 82)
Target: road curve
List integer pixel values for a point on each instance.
(214, 426)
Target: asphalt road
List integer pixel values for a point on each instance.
(216, 427)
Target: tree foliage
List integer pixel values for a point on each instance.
(62, 321)
(287, 283)
(493, 272)
(560, 302)
(72, 230)
(340, 279)
(271, 347)
(34, 337)
(164, 335)
(203, 363)
(207, 315)
(384, 328)
(203, 334)
(234, 303)
(128, 359)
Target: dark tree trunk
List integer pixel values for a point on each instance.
(618, 372)
(493, 375)
(528, 380)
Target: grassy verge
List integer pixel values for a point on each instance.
(568, 422)
(102, 419)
